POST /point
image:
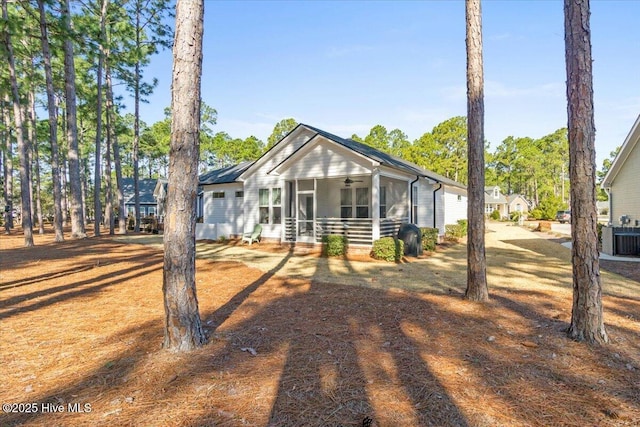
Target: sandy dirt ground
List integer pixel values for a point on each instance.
(296, 339)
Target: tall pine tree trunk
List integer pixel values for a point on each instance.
(23, 144)
(7, 167)
(75, 186)
(476, 257)
(586, 316)
(183, 328)
(53, 126)
(35, 159)
(122, 214)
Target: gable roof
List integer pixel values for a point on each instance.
(489, 195)
(225, 175)
(145, 190)
(625, 150)
(374, 154)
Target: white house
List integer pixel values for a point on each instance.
(312, 183)
(622, 236)
(622, 182)
(494, 200)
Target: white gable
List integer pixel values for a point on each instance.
(324, 159)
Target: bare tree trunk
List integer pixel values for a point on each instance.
(136, 127)
(122, 218)
(23, 144)
(183, 328)
(476, 257)
(586, 316)
(75, 186)
(97, 206)
(53, 126)
(7, 167)
(35, 160)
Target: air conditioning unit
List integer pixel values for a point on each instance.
(625, 219)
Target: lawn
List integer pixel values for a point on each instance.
(300, 340)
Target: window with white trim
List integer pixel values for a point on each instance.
(218, 195)
(414, 204)
(270, 205)
(263, 200)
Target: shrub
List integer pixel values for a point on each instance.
(334, 245)
(465, 225)
(222, 239)
(599, 227)
(388, 249)
(495, 215)
(515, 216)
(544, 226)
(429, 238)
(549, 206)
(453, 232)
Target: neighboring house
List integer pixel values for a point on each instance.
(494, 200)
(622, 183)
(312, 183)
(146, 188)
(517, 203)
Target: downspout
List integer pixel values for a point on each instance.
(434, 204)
(412, 219)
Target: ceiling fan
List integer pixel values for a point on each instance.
(349, 181)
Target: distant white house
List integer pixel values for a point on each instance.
(312, 183)
(622, 182)
(494, 200)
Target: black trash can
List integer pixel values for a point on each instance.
(410, 235)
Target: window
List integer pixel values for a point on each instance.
(362, 203)
(414, 204)
(346, 209)
(218, 194)
(263, 196)
(276, 203)
(459, 198)
(270, 205)
(151, 210)
(383, 202)
(496, 193)
(239, 193)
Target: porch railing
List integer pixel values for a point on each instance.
(290, 229)
(390, 226)
(359, 231)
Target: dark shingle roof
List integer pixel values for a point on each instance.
(225, 175)
(145, 189)
(384, 158)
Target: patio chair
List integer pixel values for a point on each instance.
(253, 236)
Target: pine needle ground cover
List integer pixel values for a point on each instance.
(301, 340)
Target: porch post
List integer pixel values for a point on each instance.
(375, 204)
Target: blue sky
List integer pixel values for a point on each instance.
(347, 66)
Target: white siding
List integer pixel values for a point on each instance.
(425, 203)
(326, 159)
(222, 216)
(625, 190)
(455, 204)
(251, 202)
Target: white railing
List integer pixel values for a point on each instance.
(290, 229)
(390, 226)
(359, 231)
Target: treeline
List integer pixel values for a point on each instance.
(66, 142)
